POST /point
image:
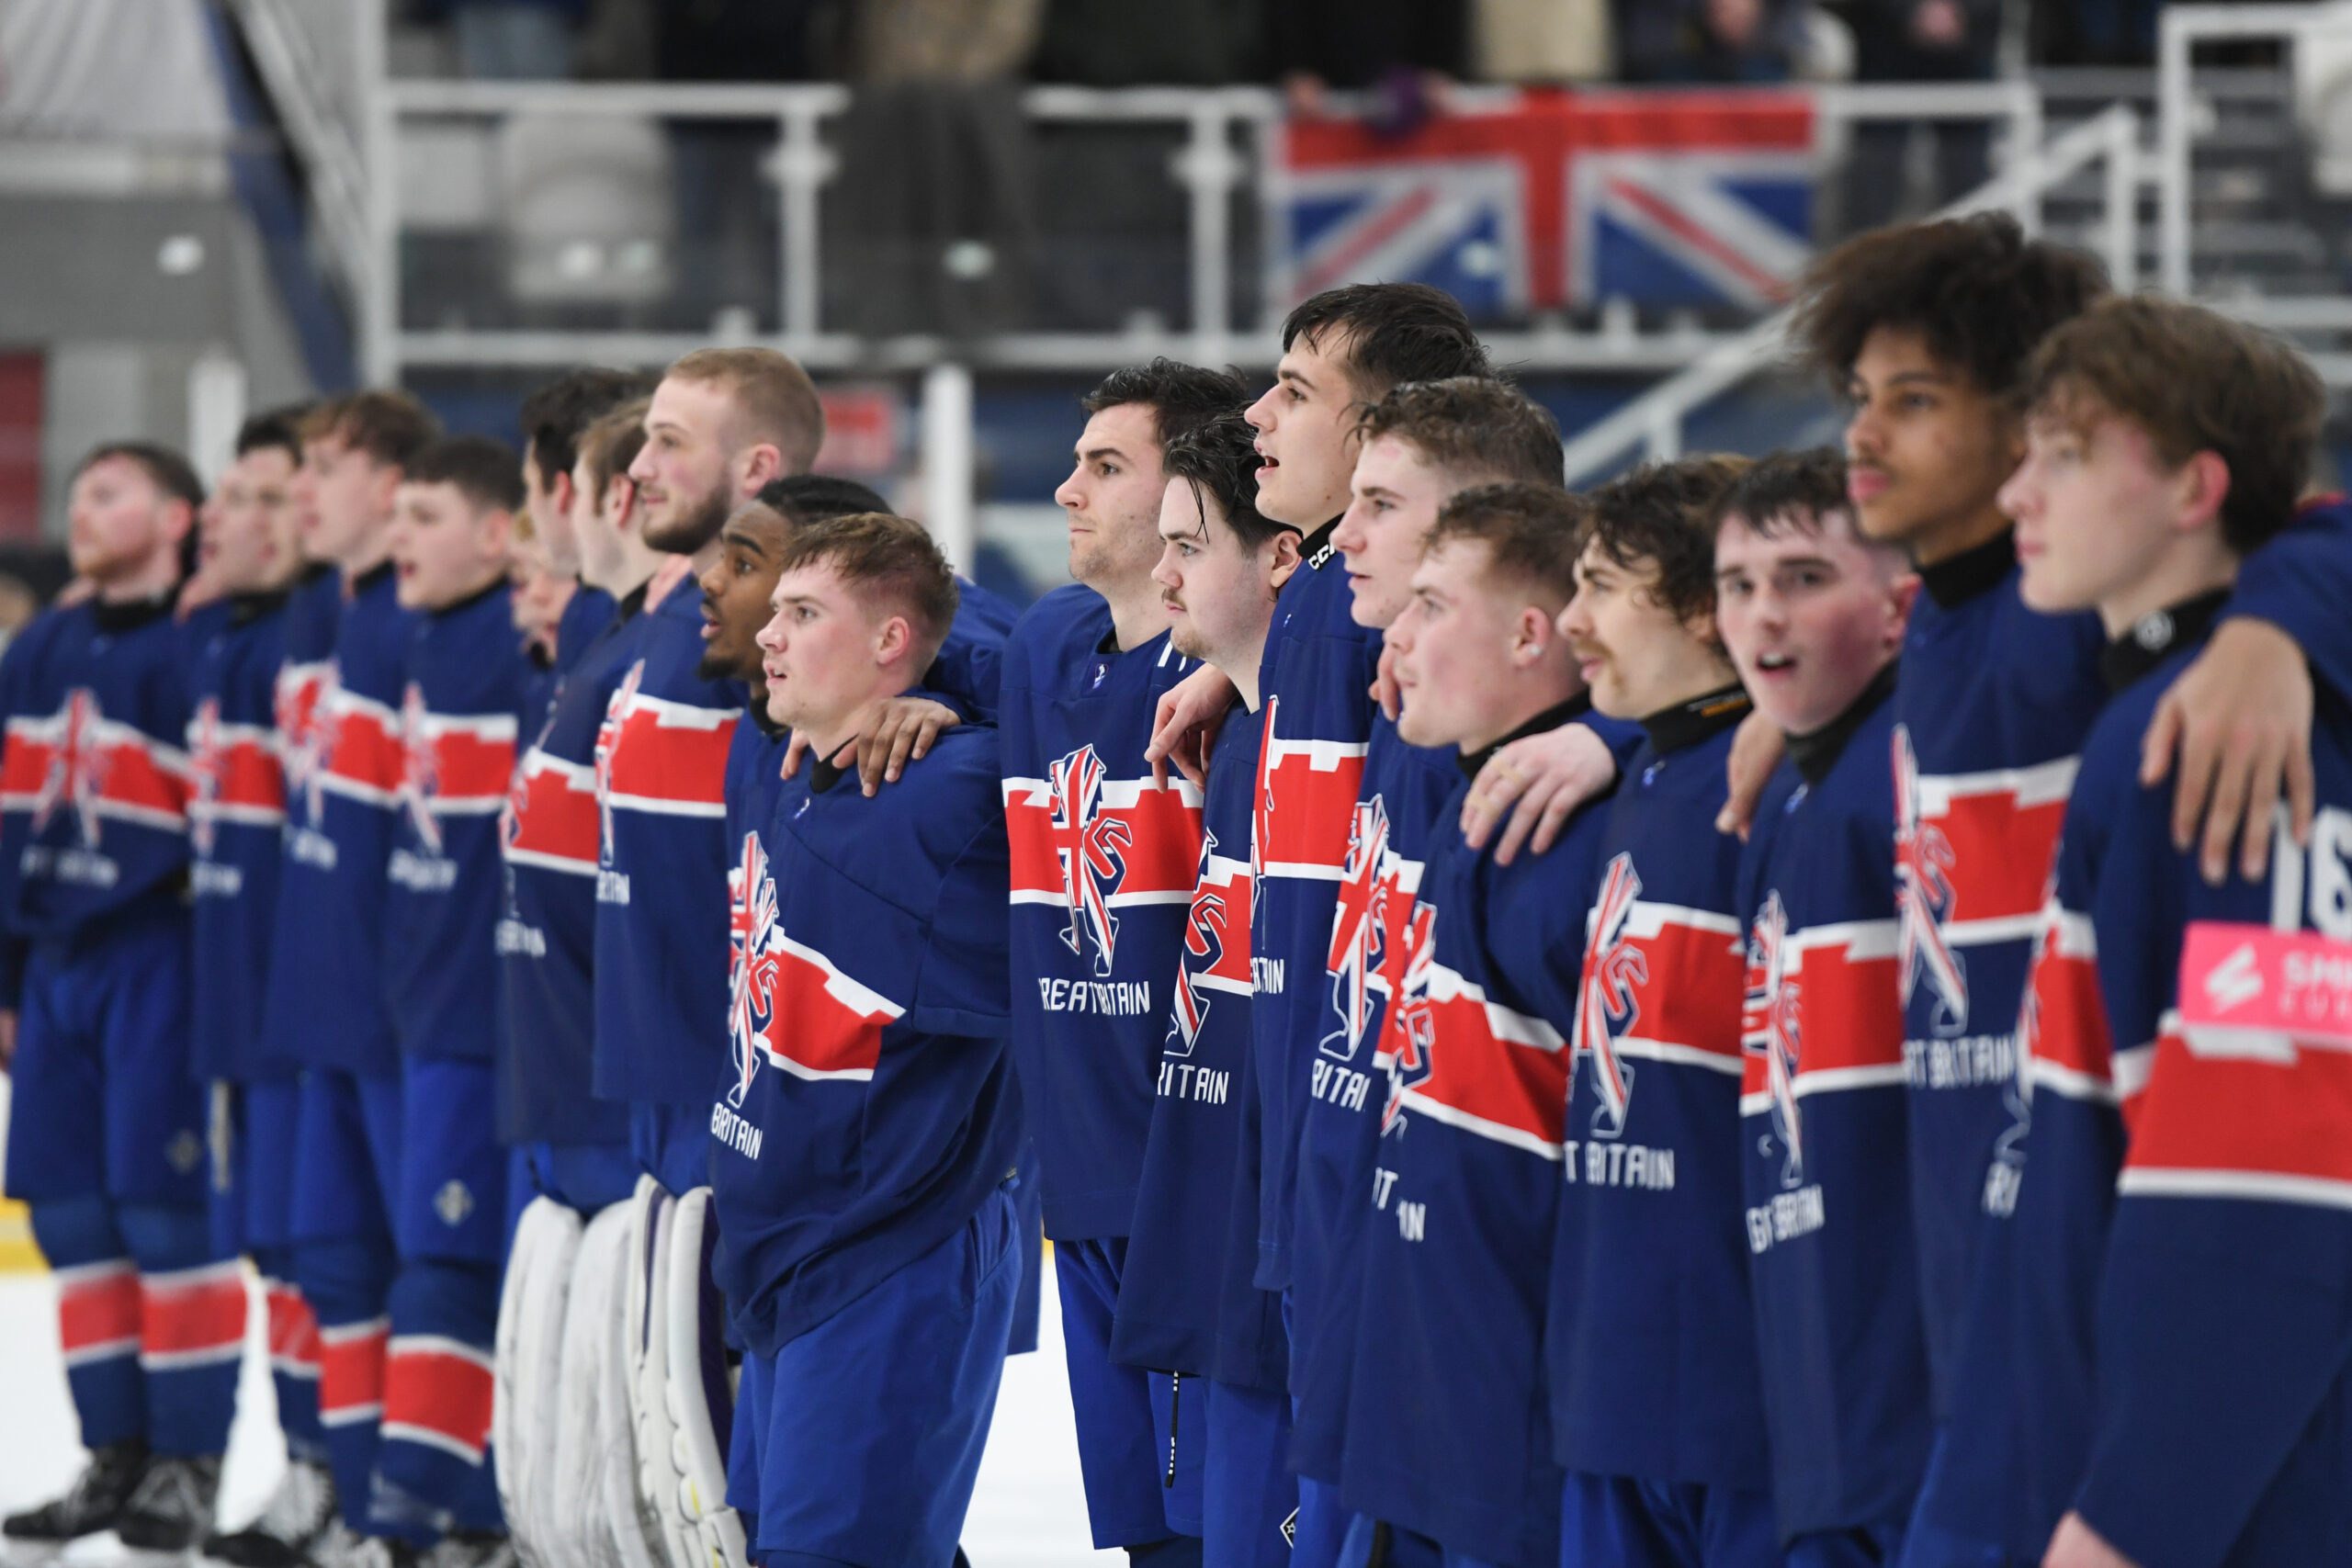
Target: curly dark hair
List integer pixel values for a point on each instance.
(1785, 489)
(1181, 397)
(1980, 292)
(1661, 517)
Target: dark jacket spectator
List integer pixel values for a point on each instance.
(1923, 41)
(1707, 41)
(1124, 43)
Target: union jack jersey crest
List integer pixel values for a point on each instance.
(305, 729)
(1091, 847)
(757, 967)
(1606, 1006)
(1662, 197)
(1411, 1031)
(1213, 960)
(78, 765)
(1924, 899)
(420, 769)
(608, 739)
(1359, 931)
(1772, 1028)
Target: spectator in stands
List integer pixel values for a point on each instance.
(1708, 40)
(1541, 40)
(944, 40)
(1918, 40)
(510, 40)
(1405, 51)
(1121, 43)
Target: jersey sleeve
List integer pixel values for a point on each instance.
(2225, 1316)
(964, 986)
(2299, 582)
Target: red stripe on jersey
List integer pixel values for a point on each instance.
(2002, 829)
(1502, 1072)
(1840, 1004)
(1156, 841)
(1306, 803)
(97, 1310)
(438, 1392)
(350, 1371)
(824, 1024)
(77, 759)
(2063, 1032)
(2219, 1122)
(1668, 976)
(470, 765)
(293, 1331)
(554, 812)
(670, 754)
(191, 1315)
(235, 765)
(249, 777)
(361, 743)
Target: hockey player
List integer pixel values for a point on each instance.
(108, 1131)
(2175, 1413)
(1104, 862)
(1187, 1303)
(1423, 443)
(1931, 328)
(554, 417)
(864, 1145)
(1813, 614)
(721, 424)
(250, 552)
(454, 729)
(1448, 1456)
(569, 1145)
(1650, 1347)
(327, 1008)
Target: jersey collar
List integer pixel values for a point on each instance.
(1550, 718)
(1953, 582)
(2155, 637)
(1686, 723)
(1816, 753)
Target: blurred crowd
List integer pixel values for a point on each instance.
(1308, 46)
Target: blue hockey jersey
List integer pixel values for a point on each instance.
(1448, 1428)
(547, 936)
(1185, 1300)
(2180, 1380)
(1403, 795)
(1837, 1322)
(1652, 1345)
(1104, 864)
(1993, 705)
(327, 1006)
(875, 1112)
(661, 761)
(236, 816)
(459, 713)
(1314, 683)
(94, 783)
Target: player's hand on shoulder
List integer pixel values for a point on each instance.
(2238, 726)
(1185, 725)
(1384, 681)
(2077, 1545)
(1539, 780)
(893, 733)
(1757, 749)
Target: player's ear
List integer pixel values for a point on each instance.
(1285, 558)
(893, 641)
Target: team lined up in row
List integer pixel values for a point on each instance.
(1623, 1193)
(1638, 1195)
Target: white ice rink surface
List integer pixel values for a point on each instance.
(1029, 1511)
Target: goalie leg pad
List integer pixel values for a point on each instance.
(648, 1405)
(702, 1407)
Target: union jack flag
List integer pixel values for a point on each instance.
(1774, 1028)
(1924, 899)
(1606, 1006)
(1204, 938)
(756, 968)
(1088, 846)
(1359, 929)
(1674, 198)
(76, 775)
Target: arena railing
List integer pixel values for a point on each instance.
(1651, 425)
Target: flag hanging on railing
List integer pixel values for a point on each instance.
(1672, 198)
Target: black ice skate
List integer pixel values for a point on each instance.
(171, 1508)
(297, 1516)
(93, 1502)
